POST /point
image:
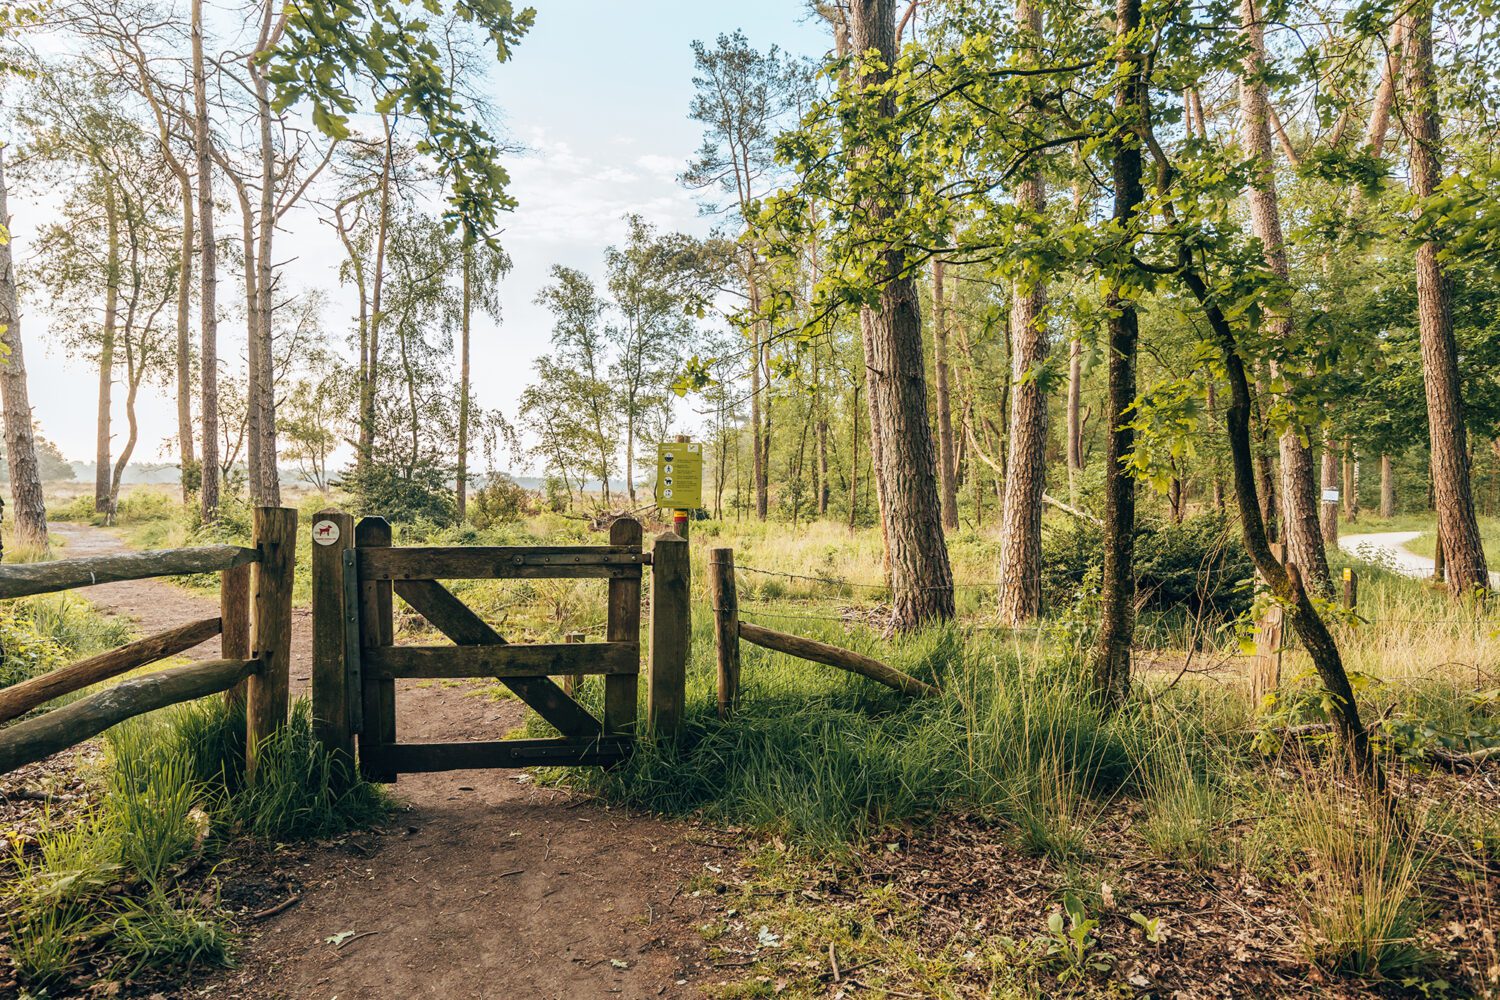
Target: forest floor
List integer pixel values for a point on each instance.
(483, 884)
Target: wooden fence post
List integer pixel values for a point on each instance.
(726, 604)
(332, 536)
(377, 627)
(271, 627)
(621, 691)
(671, 634)
(572, 682)
(1265, 669)
(234, 613)
(1351, 588)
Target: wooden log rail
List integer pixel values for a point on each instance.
(25, 579)
(18, 699)
(43, 736)
(729, 630)
(254, 649)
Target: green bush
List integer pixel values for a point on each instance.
(424, 495)
(38, 634)
(502, 501)
(1199, 565)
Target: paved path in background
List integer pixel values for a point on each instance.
(1389, 547)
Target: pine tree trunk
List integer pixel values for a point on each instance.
(1020, 569)
(947, 473)
(1303, 540)
(1075, 409)
(461, 485)
(264, 392)
(1351, 482)
(1445, 419)
(1387, 486)
(906, 468)
(208, 277)
(107, 350)
(759, 419)
(1329, 513)
(28, 506)
(1111, 665)
(184, 367)
(369, 385)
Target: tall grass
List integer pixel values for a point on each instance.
(174, 792)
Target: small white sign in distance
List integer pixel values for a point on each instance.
(1330, 496)
(325, 532)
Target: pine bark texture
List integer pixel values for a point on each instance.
(901, 435)
(1387, 486)
(1304, 544)
(1445, 416)
(208, 277)
(1020, 595)
(1329, 509)
(942, 398)
(28, 506)
(1111, 667)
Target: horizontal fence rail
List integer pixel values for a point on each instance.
(18, 699)
(834, 656)
(501, 562)
(500, 662)
(25, 579)
(416, 757)
(38, 738)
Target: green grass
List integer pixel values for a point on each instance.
(116, 885)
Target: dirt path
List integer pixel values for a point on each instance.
(1389, 547)
(483, 886)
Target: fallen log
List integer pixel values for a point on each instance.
(25, 579)
(835, 656)
(34, 739)
(18, 699)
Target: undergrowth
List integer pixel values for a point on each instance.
(123, 887)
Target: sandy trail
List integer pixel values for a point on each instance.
(483, 886)
(1389, 547)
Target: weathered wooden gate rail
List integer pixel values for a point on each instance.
(729, 631)
(255, 657)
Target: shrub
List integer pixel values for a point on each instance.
(424, 495)
(1199, 565)
(501, 501)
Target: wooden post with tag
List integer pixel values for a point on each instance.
(332, 536)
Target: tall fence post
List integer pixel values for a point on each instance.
(332, 536)
(234, 616)
(270, 627)
(671, 634)
(621, 691)
(377, 627)
(726, 604)
(1351, 589)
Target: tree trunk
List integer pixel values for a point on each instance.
(906, 471)
(1020, 595)
(1387, 486)
(264, 393)
(947, 473)
(1213, 419)
(370, 379)
(107, 350)
(28, 506)
(1329, 509)
(1445, 419)
(184, 331)
(461, 485)
(1351, 482)
(1304, 543)
(759, 438)
(208, 276)
(1075, 411)
(1111, 666)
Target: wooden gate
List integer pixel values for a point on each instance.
(371, 571)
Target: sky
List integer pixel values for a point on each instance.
(597, 93)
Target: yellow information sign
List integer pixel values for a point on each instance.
(679, 475)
